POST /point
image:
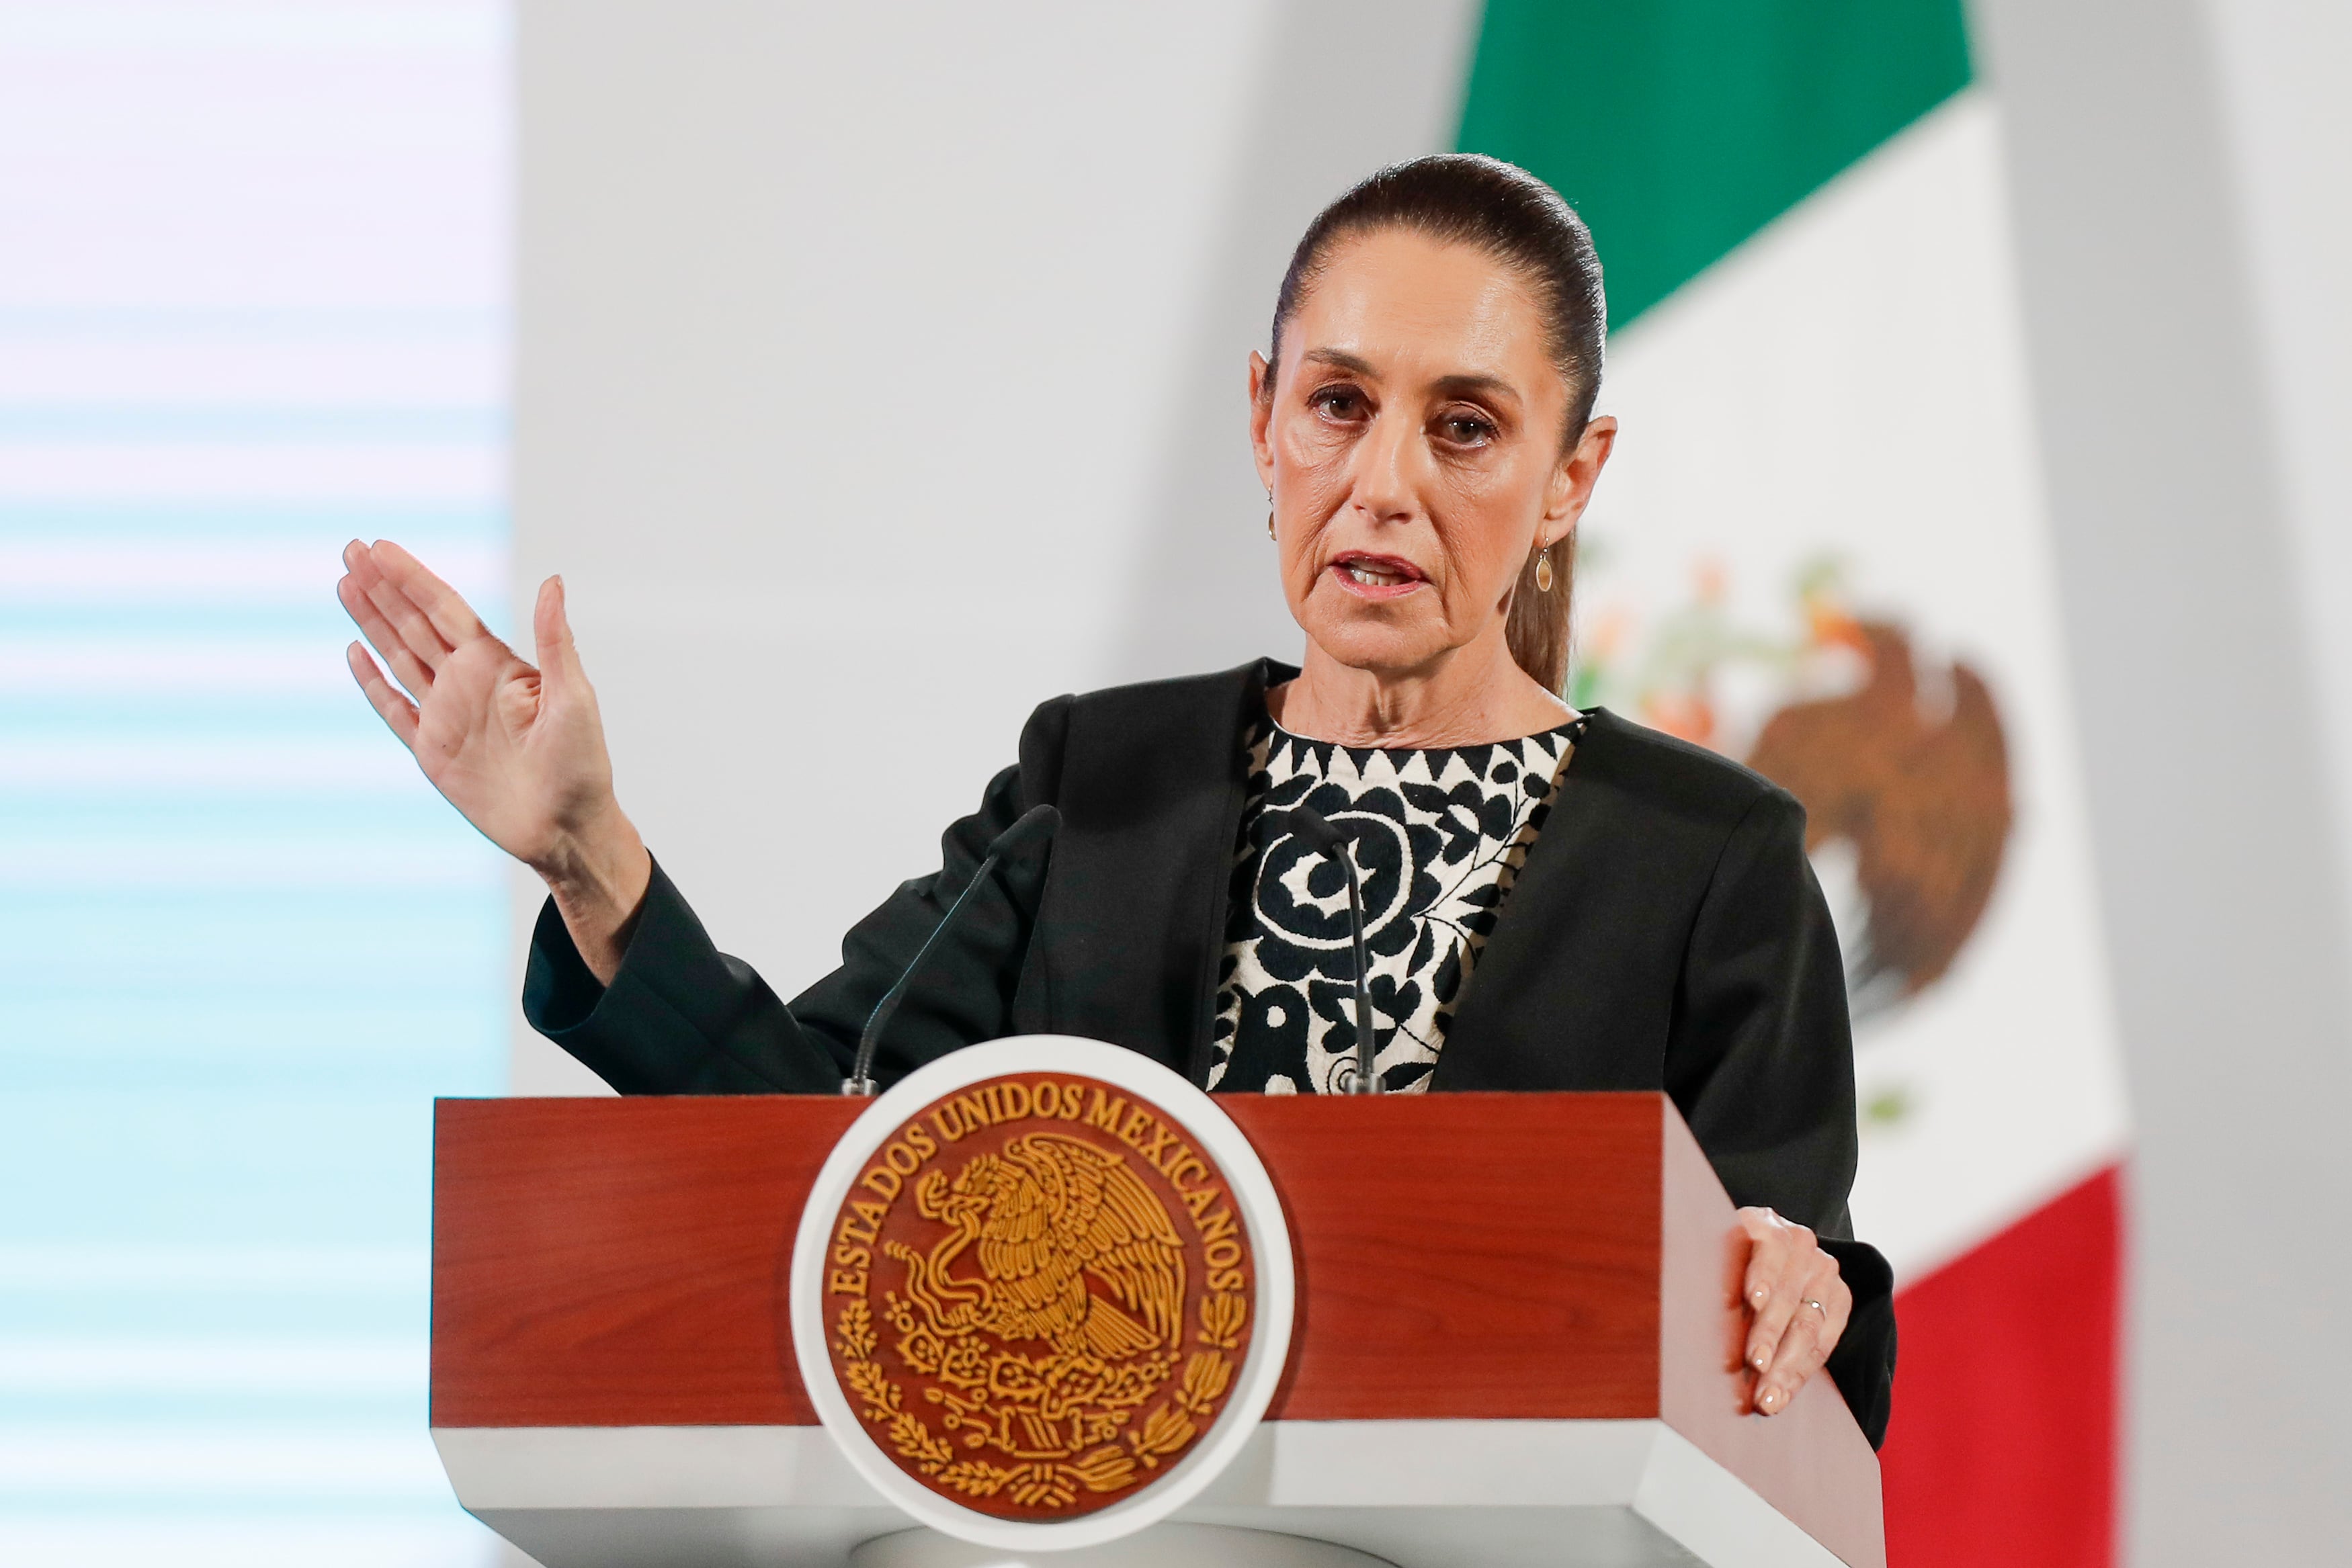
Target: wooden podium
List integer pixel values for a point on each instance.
(1517, 1341)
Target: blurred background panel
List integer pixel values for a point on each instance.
(253, 302)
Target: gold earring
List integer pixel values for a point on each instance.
(1543, 570)
(1269, 518)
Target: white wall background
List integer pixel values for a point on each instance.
(880, 376)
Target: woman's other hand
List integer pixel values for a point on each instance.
(518, 750)
(1797, 1306)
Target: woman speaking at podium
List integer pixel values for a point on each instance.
(1553, 900)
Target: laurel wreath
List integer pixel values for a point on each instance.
(1045, 1483)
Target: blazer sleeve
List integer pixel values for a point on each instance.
(682, 1018)
(1761, 1062)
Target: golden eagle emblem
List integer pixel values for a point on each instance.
(1040, 1296)
(1900, 762)
(1045, 1216)
(1920, 790)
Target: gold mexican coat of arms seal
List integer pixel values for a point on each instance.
(1037, 1295)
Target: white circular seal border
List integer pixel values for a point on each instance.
(1261, 1212)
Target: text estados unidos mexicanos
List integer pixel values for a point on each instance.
(995, 1104)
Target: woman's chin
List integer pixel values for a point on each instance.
(1364, 642)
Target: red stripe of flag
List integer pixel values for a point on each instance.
(2003, 1443)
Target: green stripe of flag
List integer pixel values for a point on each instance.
(1679, 128)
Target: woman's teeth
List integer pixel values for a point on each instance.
(1373, 576)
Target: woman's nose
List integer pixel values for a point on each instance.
(1387, 469)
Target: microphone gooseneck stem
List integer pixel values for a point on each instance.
(1330, 842)
(1367, 1082)
(860, 1081)
(1035, 827)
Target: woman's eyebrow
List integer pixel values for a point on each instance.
(1468, 385)
(1340, 360)
(1465, 384)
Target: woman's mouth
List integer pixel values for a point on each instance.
(1376, 576)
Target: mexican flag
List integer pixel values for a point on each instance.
(1821, 549)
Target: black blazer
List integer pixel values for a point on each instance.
(1665, 934)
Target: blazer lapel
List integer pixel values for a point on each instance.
(1132, 918)
(1564, 994)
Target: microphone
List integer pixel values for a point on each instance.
(1321, 836)
(1035, 827)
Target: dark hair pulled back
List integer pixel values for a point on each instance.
(1468, 198)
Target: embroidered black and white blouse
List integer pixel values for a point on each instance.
(1440, 836)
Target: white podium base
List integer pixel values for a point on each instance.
(1416, 1494)
(1162, 1546)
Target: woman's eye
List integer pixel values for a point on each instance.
(1467, 430)
(1340, 403)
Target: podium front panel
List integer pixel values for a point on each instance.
(1490, 1287)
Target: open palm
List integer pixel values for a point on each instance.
(518, 749)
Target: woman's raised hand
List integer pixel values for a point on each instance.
(518, 750)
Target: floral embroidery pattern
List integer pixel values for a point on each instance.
(1439, 835)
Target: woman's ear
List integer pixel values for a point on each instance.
(1261, 402)
(1570, 489)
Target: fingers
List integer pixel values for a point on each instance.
(559, 656)
(1798, 1303)
(1823, 1309)
(441, 605)
(400, 632)
(406, 667)
(397, 711)
(1775, 1269)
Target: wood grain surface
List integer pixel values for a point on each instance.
(602, 1262)
(1467, 1255)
